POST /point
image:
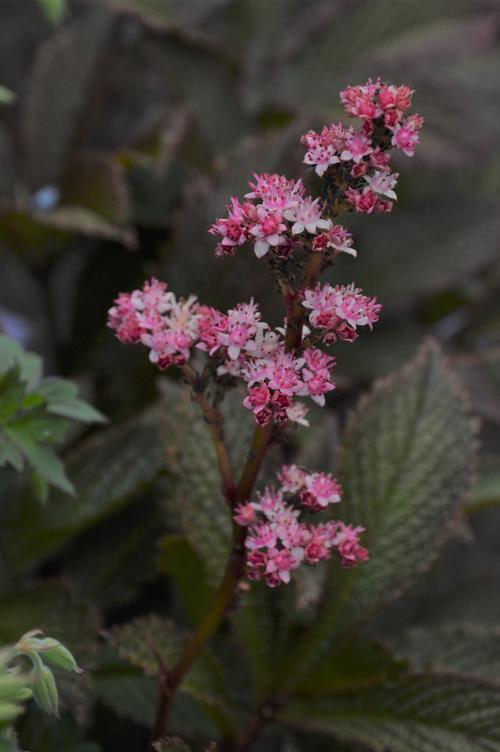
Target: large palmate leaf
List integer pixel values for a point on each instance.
(405, 466)
(469, 649)
(417, 714)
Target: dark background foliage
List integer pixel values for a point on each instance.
(133, 122)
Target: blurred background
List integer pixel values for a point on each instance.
(125, 126)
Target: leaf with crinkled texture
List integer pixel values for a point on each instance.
(133, 696)
(204, 514)
(108, 471)
(405, 467)
(177, 559)
(62, 76)
(112, 576)
(434, 713)
(138, 641)
(262, 625)
(468, 649)
(357, 664)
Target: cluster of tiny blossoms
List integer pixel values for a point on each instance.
(242, 346)
(280, 365)
(357, 162)
(279, 540)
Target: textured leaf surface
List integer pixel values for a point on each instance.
(108, 471)
(138, 641)
(134, 696)
(61, 80)
(405, 469)
(469, 649)
(178, 561)
(204, 514)
(418, 714)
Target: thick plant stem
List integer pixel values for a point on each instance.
(171, 679)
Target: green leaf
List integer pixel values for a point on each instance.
(108, 471)
(54, 9)
(6, 95)
(405, 466)
(112, 576)
(44, 462)
(355, 665)
(83, 221)
(12, 354)
(139, 640)
(206, 519)
(177, 560)
(49, 605)
(416, 714)
(262, 626)
(62, 76)
(13, 690)
(62, 399)
(133, 696)
(468, 649)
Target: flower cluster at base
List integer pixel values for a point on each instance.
(279, 541)
(242, 346)
(356, 163)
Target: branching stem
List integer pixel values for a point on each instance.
(235, 494)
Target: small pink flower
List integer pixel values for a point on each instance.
(245, 515)
(357, 147)
(406, 137)
(383, 183)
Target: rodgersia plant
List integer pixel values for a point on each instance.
(282, 368)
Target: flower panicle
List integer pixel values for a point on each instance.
(280, 536)
(281, 366)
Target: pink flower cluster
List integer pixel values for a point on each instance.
(339, 311)
(276, 379)
(279, 541)
(154, 317)
(242, 345)
(361, 158)
(277, 216)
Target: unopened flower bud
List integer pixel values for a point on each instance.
(54, 653)
(45, 690)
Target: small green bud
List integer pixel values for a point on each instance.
(54, 653)
(45, 690)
